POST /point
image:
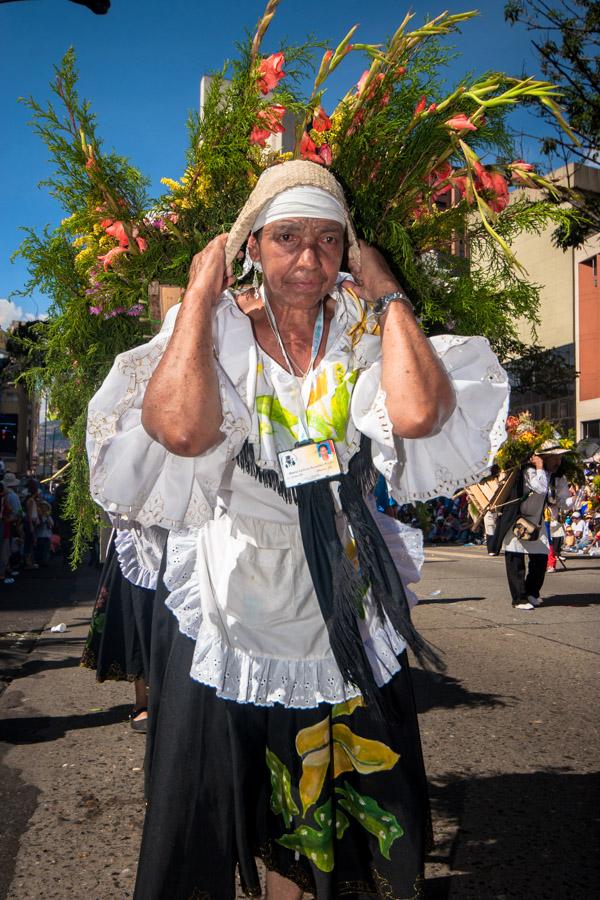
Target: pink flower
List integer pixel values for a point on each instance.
(95, 310)
(461, 122)
(309, 150)
(108, 258)
(136, 310)
(432, 107)
(271, 124)
(464, 187)
(270, 71)
(361, 81)
(419, 108)
(499, 186)
(142, 244)
(437, 179)
(324, 152)
(495, 186)
(90, 163)
(117, 230)
(373, 87)
(519, 170)
(321, 121)
(400, 71)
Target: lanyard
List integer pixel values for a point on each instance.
(316, 343)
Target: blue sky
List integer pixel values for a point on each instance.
(140, 66)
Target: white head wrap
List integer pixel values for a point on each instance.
(305, 202)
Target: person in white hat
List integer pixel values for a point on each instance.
(281, 719)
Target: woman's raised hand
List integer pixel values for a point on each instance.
(209, 276)
(374, 277)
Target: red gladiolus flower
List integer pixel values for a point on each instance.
(117, 230)
(270, 72)
(438, 177)
(519, 170)
(271, 124)
(432, 108)
(321, 121)
(309, 150)
(500, 188)
(324, 152)
(361, 81)
(108, 258)
(461, 122)
(420, 106)
(463, 186)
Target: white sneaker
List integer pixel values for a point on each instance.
(535, 601)
(523, 605)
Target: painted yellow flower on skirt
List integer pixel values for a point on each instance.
(319, 743)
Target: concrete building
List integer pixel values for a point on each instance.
(561, 327)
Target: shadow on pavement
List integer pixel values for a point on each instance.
(33, 666)
(18, 805)
(433, 690)
(572, 600)
(442, 600)
(523, 835)
(38, 729)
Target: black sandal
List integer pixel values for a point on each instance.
(141, 725)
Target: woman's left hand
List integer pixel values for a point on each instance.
(374, 277)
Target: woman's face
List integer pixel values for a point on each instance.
(300, 259)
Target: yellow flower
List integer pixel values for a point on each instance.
(80, 241)
(168, 182)
(317, 137)
(85, 258)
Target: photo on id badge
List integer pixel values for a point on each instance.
(309, 462)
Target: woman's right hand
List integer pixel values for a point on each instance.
(209, 276)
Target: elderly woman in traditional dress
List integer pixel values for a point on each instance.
(282, 716)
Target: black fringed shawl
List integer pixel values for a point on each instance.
(339, 586)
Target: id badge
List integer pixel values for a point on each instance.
(307, 462)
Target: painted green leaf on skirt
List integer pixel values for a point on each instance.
(282, 802)
(368, 813)
(314, 843)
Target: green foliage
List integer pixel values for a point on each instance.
(391, 142)
(565, 35)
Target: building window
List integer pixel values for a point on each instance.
(591, 428)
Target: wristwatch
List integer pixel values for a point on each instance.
(382, 303)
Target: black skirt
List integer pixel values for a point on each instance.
(332, 797)
(118, 642)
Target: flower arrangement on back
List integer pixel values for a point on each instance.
(410, 161)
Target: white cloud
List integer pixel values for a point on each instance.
(10, 312)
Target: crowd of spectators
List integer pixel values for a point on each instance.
(30, 524)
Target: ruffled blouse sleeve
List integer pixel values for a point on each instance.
(135, 478)
(464, 449)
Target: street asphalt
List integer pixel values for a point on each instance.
(510, 736)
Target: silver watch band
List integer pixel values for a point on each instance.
(382, 303)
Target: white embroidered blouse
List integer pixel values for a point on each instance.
(238, 579)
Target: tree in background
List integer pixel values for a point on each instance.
(566, 35)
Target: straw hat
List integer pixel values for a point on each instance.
(551, 448)
(295, 173)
